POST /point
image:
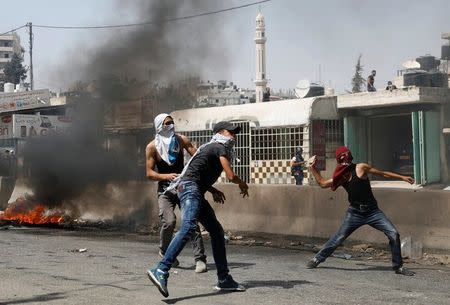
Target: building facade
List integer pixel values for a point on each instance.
(271, 134)
(9, 45)
(405, 130)
(222, 93)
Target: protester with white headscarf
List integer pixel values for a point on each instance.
(164, 162)
(165, 140)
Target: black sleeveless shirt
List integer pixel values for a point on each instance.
(359, 190)
(164, 168)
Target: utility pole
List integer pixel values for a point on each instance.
(30, 28)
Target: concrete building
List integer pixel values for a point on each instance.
(260, 40)
(271, 133)
(222, 93)
(406, 130)
(9, 45)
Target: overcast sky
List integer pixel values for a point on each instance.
(302, 36)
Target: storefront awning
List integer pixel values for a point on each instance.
(292, 112)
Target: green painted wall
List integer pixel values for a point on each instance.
(432, 146)
(355, 137)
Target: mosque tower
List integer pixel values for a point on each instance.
(260, 40)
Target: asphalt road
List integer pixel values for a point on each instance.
(44, 266)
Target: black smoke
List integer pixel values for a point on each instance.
(146, 61)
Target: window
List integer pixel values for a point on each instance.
(278, 143)
(242, 147)
(6, 55)
(334, 136)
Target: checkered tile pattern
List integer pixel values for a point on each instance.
(271, 172)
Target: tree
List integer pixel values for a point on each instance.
(357, 80)
(14, 70)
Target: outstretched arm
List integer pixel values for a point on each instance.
(233, 177)
(324, 183)
(385, 174)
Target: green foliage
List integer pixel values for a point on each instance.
(14, 70)
(358, 81)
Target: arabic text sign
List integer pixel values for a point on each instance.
(24, 100)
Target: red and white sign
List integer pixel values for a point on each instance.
(30, 125)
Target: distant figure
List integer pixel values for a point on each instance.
(371, 82)
(390, 86)
(297, 166)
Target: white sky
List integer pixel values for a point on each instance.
(302, 35)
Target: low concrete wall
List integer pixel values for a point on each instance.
(301, 210)
(315, 212)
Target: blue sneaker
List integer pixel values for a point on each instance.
(159, 279)
(228, 284)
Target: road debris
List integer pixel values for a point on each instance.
(81, 250)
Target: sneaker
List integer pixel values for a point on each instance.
(200, 266)
(175, 264)
(228, 284)
(404, 271)
(313, 263)
(159, 279)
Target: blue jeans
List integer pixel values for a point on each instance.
(194, 207)
(355, 219)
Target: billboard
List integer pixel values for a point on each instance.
(24, 100)
(19, 126)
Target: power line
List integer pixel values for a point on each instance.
(149, 22)
(14, 29)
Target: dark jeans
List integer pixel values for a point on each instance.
(298, 179)
(167, 203)
(194, 207)
(355, 219)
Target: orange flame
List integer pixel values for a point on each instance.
(37, 215)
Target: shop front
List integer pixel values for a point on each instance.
(399, 131)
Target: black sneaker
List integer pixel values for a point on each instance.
(175, 264)
(313, 263)
(404, 271)
(159, 279)
(228, 284)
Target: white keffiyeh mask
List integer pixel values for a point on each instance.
(166, 143)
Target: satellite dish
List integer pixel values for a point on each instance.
(302, 88)
(411, 64)
(305, 88)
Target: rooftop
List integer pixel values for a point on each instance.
(398, 97)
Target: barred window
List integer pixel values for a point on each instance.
(199, 137)
(334, 136)
(278, 143)
(241, 164)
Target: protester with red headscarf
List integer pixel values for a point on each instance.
(363, 207)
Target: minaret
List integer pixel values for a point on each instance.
(260, 40)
